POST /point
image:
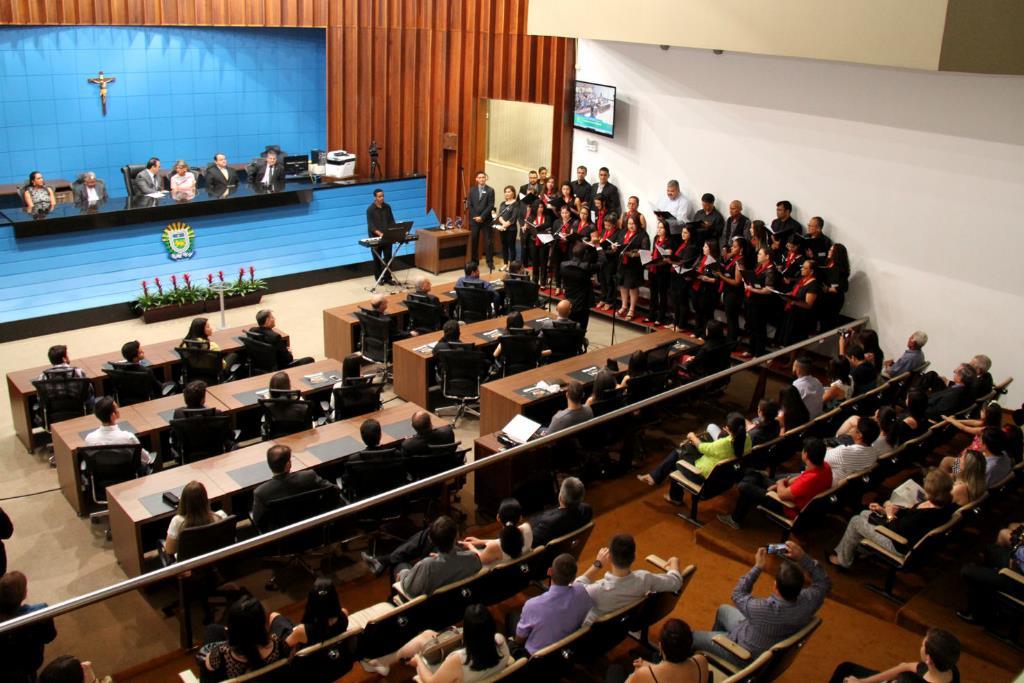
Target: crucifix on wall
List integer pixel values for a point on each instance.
(103, 82)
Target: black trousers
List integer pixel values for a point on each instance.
(581, 315)
(508, 244)
(983, 581)
(704, 302)
(478, 231)
(850, 669)
(732, 300)
(753, 489)
(609, 286)
(383, 253)
(541, 260)
(758, 315)
(680, 300)
(658, 279)
(415, 548)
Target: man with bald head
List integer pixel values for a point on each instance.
(379, 309)
(736, 225)
(562, 312)
(426, 435)
(422, 295)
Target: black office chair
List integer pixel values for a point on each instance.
(521, 295)
(473, 304)
(460, 372)
(376, 339)
(201, 436)
(293, 550)
(134, 384)
(356, 398)
(62, 396)
(519, 353)
(193, 542)
(439, 458)
(424, 317)
(104, 466)
(262, 356)
(564, 342)
(646, 385)
(284, 413)
(374, 471)
(129, 172)
(198, 362)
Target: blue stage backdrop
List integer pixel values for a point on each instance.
(180, 93)
(73, 271)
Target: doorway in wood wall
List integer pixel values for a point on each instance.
(519, 138)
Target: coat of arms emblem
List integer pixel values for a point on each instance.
(179, 238)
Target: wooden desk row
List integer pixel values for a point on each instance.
(148, 420)
(138, 511)
(503, 399)
(161, 356)
(414, 365)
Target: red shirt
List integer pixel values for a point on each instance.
(807, 486)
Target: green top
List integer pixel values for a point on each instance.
(714, 452)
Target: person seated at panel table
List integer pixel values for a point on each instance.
(147, 181)
(183, 181)
(135, 361)
(426, 435)
(280, 386)
(219, 176)
(379, 309)
(60, 365)
(195, 400)
(193, 510)
(90, 190)
(576, 411)
(284, 483)
(472, 279)
(38, 196)
(265, 332)
(110, 434)
(562, 319)
(710, 357)
(266, 172)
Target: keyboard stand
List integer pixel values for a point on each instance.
(387, 266)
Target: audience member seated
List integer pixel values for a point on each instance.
(514, 539)
(792, 410)
(677, 661)
(21, 650)
(253, 639)
(322, 618)
(195, 400)
(265, 332)
(991, 416)
(940, 651)
(710, 357)
(110, 434)
(370, 432)
(557, 612)
(983, 581)
(577, 412)
(914, 420)
(60, 365)
(811, 390)
(969, 482)
(37, 195)
(796, 489)
(193, 510)
(862, 371)
(765, 426)
(428, 560)
(450, 338)
(730, 442)
(135, 361)
(983, 383)
(426, 435)
(756, 624)
(840, 385)
(515, 271)
(6, 531)
(858, 456)
(636, 367)
(1015, 436)
(563, 309)
(997, 463)
(472, 279)
(423, 295)
(69, 669)
(200, 330)
(604, 386)
(284, 483)
(571, 514)
(911, 359)
(910, 523)
(483, 655)
(954, 397)
(280, 387)
(619, 585)
(887, 419)
(866, 339)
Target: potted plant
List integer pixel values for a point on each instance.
(244, 291)
(190, 299)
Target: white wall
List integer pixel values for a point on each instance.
(921, 175)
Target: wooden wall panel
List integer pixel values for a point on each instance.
(402, 72)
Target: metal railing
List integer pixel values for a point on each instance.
(192, 564)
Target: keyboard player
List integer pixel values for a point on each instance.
(378, 218)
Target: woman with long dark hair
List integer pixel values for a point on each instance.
(792, 410)
(564, 230)
(732, 441)
(200, 330)
(741, 259)
(38, 196)
(507, 223)
(658, 275)
(323, 617)
(835, 281)
(798, 312)
(193, 510)
(762, 302)
(631, 271)
(705, 287)
(254, 639)
(609, 233)
(684, 257)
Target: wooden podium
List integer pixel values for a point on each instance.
(441, 250)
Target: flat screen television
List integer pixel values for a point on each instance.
(594, 108)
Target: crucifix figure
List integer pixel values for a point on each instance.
(103, 81)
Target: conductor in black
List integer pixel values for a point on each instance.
(480, 203)
(378, 218)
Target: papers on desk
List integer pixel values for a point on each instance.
(540, 389)
(321, 378)
(520, 429)
(545, 238)
(426, 348)
(262, 393)
(645, 256)
(492, 334)
(157, 194)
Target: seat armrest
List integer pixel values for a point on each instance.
(775, 496)
(733, 648)
(892, 535)
(168, 388)
(1012, 575)
(400, 594)
(658, 562)
(686, 464)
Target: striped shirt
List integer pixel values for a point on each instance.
(772, 619)
(847, 460)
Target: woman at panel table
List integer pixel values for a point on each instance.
(797, 314)
(507, 223)
(685, 255)
(631, 271)
(193, 510)
(200, 331)
(38, 196)
(762, 302)
(183, 182)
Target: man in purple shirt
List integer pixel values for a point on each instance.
(553, 615)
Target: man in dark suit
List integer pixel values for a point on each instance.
(609, 192)
(532, 186)
(577, 276)
(285, 483)
(957, 396)
(265, 332)
(266, 172)
(219, 177)
(426, 435)
(571, 514)
(378, 218)
(195, 402)
(134, 356)
(147, 181)
(379, 309)
(90, 190)
(480, 203)
(423, 296)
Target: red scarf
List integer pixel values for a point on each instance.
(656, 260)
(625, 241)
(728, 266)
(792, 256)
(600, 217)
(761, 268)
(803, 282)
(697, 282)
(609, 234)
(681, 248)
